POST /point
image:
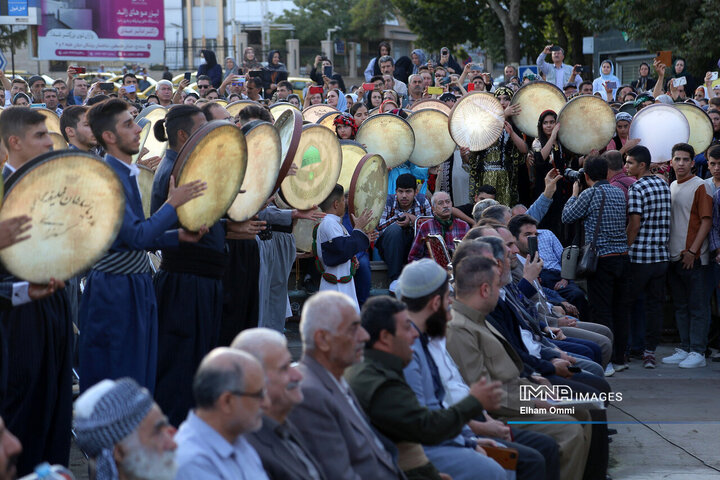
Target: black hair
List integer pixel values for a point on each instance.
(641, 155)
(596, 167)
(356, 106)
(103, 118)
(406, 180)
(417, 304)
(541, 134)
(16, 120)
(378, 315)
(204, 77)
(179, 117)
(519, 221)
(489, 189)
(254, 112)
(713, 151)
(211, 382)
(336, 193)
(586, 82)
(97, 99)
(70, 118)
(285, 84)
(207, 108)
(128, 75)
(683, 147)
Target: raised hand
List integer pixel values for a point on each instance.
(178, 196)
(12, 230)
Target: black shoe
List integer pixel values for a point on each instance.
(612, 431)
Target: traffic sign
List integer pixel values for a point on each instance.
(3, 62)
(527, 69)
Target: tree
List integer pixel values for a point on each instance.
(688, 28)
(16, 39)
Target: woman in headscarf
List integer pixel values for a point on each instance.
(498, 164)
(345, 126)
(21, 100)
(418, 58)
(231, 68)
(350, 98)
(680, 70)
(336, 99)
(449, 62)
(607, 74)
(249, 60)
(211, 68)
(373, 68)
(644, 82)
(622, 131)
(274, 72)
(548, 154)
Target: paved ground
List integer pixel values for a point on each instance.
(644, 448)
(688, 449)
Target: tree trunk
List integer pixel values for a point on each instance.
(512, 44)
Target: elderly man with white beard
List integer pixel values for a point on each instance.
(279, 443)
(118, 424)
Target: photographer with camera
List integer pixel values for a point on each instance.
(608, 285)
(558, 73)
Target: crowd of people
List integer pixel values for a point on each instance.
(185, 372)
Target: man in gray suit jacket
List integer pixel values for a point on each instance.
(330, 419)
(280, 445)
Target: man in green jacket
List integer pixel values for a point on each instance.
(379, 384)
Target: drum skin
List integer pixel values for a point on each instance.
(701, 127)
(368, 189)
(264, 152)
(430, 103)
(76, 203)
(289, 126)
(313, 113)
(388, 135)
(279, 108)
(217, 154)
(318, 160)
(476, 121)
(153, 113)
(659, 127)
(433, 143)
(535, 98)
(352, 153)
(145, 183)
(586, 123)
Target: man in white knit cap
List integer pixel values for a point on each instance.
(118, 423)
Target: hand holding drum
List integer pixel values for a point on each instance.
(178, 196)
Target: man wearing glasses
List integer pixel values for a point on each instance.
(203, 85)
(229, 389)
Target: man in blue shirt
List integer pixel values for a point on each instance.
(229, 389)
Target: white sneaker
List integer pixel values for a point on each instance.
(609, 370)
(693, 360)
(676, 358)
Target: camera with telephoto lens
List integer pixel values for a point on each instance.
(576, 176)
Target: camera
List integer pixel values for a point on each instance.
(576, 176)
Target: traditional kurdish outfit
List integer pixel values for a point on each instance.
(335, 249)
(277, 254)
(496, 166)
(189, 293)
(118, 310)
(36, 394)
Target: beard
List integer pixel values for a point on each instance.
(145, 465)
(436, 324)
(129, 148)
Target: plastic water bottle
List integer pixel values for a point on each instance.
(47, 472)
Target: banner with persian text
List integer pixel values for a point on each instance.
(106, 30)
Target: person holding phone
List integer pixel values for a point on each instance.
(557, 72)
(321, 68)
(679, 70)
(607, 82)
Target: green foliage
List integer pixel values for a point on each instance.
(688, 28)
(18, 38)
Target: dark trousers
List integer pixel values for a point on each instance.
(363, 278)
(608, 296)
(241, 298)
(597, 462)
(572, 293)
(636, 339)
(648, 281)
(689, 289)
(394, 247)
(586, 348)
(529, 445)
